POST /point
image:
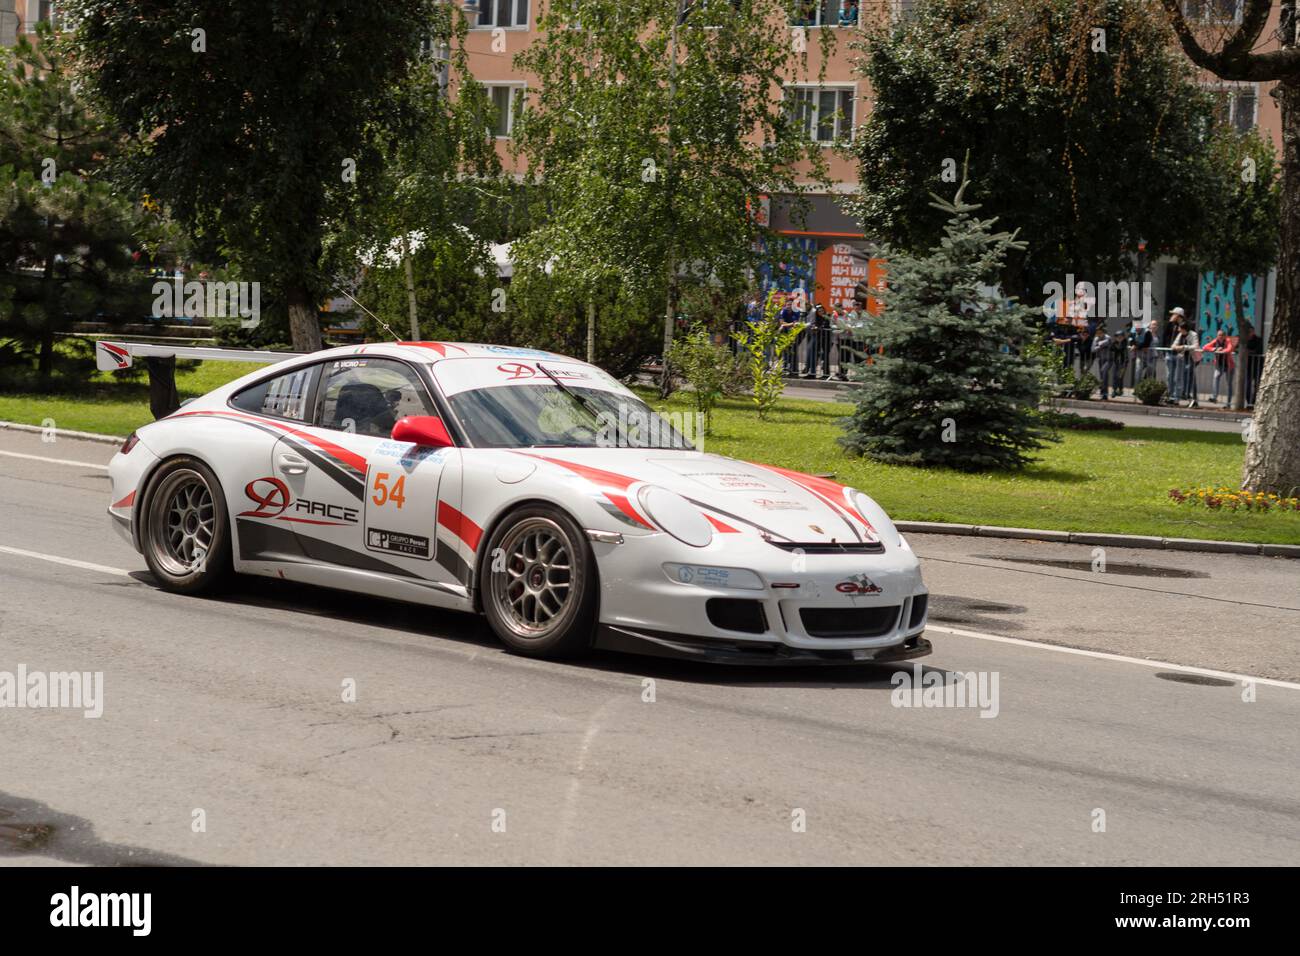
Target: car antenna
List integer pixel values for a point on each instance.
(396, 337)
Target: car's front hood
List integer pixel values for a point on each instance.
(739, 496)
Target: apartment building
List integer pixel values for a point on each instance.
(828, 251)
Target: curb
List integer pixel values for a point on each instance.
(1106, 540)
(1158, 411)
(64, 433)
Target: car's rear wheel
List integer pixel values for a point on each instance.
(185, 531)
(540, 583)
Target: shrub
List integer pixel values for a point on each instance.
(1149, 391)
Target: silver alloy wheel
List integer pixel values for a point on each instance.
(182, 523)
(532, 583)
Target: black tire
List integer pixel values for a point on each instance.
(539, 583)
(185, 528)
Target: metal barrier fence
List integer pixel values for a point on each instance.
(830, 353)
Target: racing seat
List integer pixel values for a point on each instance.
(367, 407)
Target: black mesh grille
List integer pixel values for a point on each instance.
(919, 604)
(736, 614)
(849, 621)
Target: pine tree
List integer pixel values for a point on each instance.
(952, 387)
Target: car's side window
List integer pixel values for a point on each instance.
(285, 396)
(368, 396)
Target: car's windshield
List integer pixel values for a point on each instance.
(542, 414)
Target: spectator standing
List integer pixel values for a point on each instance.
(1173, 331)
(819, 344)
(1119, 343)
(1144, 350)
(1221, 348)
(1101, 352)
(1187, 347)
(788, 319)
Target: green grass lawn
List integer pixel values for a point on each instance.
(112, 405)
(1091, 481)
(1113, 481)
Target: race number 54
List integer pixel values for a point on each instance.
(384, 492)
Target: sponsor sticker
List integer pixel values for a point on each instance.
(398, 542)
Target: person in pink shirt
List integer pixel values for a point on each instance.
(1222, 347)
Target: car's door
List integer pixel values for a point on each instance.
(362, 502)
(250, 430)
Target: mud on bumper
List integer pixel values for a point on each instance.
(613, 637)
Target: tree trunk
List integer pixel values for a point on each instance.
(1238, 396)
(591, 331)
(1273, 454)
(410, 298)
(304, 322)
(45, 364)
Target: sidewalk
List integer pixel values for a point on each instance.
(1125, 408)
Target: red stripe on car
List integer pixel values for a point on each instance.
(459, 524)
(126, 502)
(349, 458)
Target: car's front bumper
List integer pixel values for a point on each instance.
(750, 652)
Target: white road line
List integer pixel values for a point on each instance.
(54, 461)
(1102, 655)
(55, 559)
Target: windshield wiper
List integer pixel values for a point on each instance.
(585, 403)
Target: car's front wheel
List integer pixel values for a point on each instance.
(540, 583)
(185, 532)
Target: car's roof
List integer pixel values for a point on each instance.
(429, 352)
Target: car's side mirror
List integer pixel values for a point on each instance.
(428, 431)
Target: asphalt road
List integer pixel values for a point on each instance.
(456, 752)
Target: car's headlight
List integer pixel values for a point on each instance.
(674, 514)
(877, 518)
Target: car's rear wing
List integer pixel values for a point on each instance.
(114, 356)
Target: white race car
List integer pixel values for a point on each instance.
(527, 486)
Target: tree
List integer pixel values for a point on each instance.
(424, 232)
(1084, 124)
(1244, 239)
(655, 128)
(255, 122)
(65, 236)
(945, 392)
(1229, 52)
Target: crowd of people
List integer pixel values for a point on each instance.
(829, 340)
(1139, 353)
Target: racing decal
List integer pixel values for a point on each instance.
(345, 467)
(613, 486)
(260, 541)
(448, 557)
(827, 491)
(502, 371)
(858, 584)
(398, 542)
(126, 502)
(439, 347)
(780, 504)
(721, 526)
(271, 498)
(387, 489)
(111, 356)
(459, 524)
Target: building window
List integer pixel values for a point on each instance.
(824, 13)
(821, 113)
(1212, 11)
(1237, 106)
(507, 101)
(40, 11)
(503, 13)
